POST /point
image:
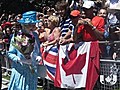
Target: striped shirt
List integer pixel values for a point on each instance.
(65, 26)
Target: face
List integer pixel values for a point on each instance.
(61, 12)
(49, 23)
(83, 14)
(102, 13)
(29, 27)
(75, 20)
(8, 31)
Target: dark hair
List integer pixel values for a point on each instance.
(61, 5)
(117, 14)
(72, 17)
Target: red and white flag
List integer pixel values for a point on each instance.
(78, 65)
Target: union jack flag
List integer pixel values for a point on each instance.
(50, 55)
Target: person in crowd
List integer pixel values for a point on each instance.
(16, 27)
(112, 4)
(24, 53)
(53, 33)
(11, 17)
(103, 13)
(90, 28)
(116, 54)
(114, 23)
(105, 47)
(45, 20)
(74, 16)
(7, 35)
(18, 17)
(82, 15)
(3, 18)
(1, 56)
(40, 16)
(116, 37)
(74, 5)
(65, 21)
(49, 47)
(51, 11)
(112, 8)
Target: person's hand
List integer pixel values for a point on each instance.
(62, 41)
(19, 61)
(81, 22)
(114, 56)
(88, 22)
(3, 15)
(45, 44)
(38, 58)
(118, 30)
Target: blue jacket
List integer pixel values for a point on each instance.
(22, 77)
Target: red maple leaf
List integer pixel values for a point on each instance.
(74, 65)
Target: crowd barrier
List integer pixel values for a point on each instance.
(109, 73)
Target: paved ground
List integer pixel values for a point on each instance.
(4, 84)
(4, 87)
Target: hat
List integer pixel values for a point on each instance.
(115, 7)
(75, 13)
(28, 18)
(88, 4)
(6, 24)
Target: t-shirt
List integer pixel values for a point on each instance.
(88, 34)
(112, 4)
(65, 26)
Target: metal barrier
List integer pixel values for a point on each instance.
(109, 75)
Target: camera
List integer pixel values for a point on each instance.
(85, 22)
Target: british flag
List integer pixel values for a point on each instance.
(50, 55)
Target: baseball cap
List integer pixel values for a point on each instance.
(75, 13)
(88, 4)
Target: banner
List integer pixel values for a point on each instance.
(73, 68)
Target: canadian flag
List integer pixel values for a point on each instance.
(77, 66)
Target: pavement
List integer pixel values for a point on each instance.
(4, 84)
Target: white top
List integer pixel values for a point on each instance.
(113, 4)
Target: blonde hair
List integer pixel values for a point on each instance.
(54, 20)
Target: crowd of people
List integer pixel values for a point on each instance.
(25, 37)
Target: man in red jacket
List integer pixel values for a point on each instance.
(92, 27)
